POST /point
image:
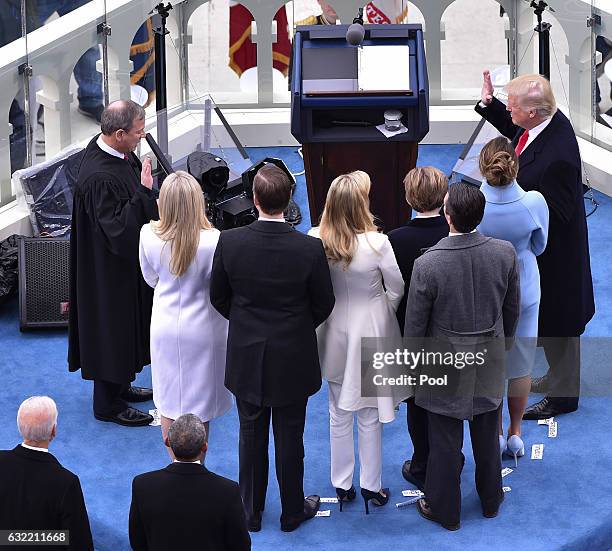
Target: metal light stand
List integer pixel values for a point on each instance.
(25, 70)
(161, 98)
(104, 29)
(543, 30)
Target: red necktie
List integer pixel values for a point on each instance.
(521, 143)
(125, 157)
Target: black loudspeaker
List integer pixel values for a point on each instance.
(44, 288)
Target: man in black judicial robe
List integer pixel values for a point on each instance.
(549, 162)
(110, 303)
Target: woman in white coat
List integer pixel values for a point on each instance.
(360, 259)
(188, 336)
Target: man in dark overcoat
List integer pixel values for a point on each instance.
(273, 284)
(38, 492)
(549, 162)
(110, 303)
(184, 505)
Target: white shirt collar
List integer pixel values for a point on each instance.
(108, 149)
(427, 215)
(266, 219)
(453, 234)
(536, 131)
(24, 445)
(177, 461)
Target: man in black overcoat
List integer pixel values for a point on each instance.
(110, 303)
(549, 162)
(274, 286)
(186, 506)
(37, 492)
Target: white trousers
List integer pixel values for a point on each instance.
(369, 430)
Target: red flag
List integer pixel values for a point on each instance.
(243, 53)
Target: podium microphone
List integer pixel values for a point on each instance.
(356, 33)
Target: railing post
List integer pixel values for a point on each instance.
(6, 129)
(57, 100)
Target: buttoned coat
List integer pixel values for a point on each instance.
(39, 494)
(520, 217)
(273, 284)
(186, 506)
(465, 287)
(551, 164)
(367, 293)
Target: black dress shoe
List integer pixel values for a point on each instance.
(539, 385)
(549, 407)
(254, 523)
(426, 512)
(493, 514)
(137, 394)
(409, 477)
(311, 506)
(129, 417)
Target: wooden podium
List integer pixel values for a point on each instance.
(385, 162)
(334, 114)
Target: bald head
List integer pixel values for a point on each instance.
(37, 420)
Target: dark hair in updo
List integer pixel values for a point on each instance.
(498, 162)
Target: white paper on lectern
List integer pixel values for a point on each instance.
(384, 67)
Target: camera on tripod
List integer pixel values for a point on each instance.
(228, 204)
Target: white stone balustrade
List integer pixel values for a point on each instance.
(54, 49)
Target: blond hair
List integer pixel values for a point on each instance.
(346, 214)
(533, 92)
(498, 162)
(426, 187)
(182, 214)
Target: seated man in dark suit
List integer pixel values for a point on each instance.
(464, 293)
(40, 494)
(425, 190)
(185, 506)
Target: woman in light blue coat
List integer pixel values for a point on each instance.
(520, 217)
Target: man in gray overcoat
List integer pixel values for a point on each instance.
(464, 294)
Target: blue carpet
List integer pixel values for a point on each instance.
(562, 502)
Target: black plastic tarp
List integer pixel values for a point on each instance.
(8, 268)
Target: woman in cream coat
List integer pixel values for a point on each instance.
(360, 259)
(188, 336)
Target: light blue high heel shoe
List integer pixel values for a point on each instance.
(515, 448)
(503, 446)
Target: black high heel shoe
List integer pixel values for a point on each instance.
(345, 495)
(378, 498)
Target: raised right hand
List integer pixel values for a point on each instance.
(486, 94)
(146, 176)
